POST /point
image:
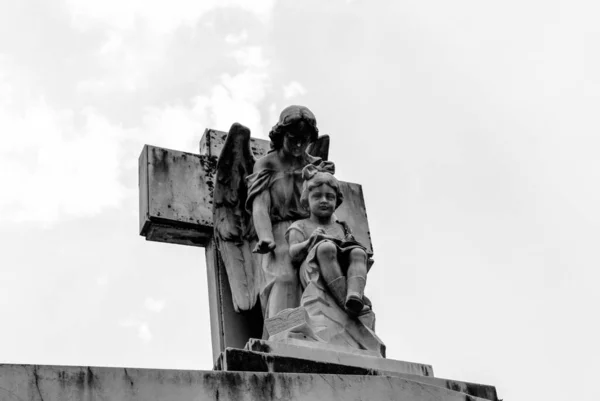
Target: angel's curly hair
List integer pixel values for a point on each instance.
(292, 115)
(314, 178)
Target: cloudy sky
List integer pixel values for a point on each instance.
(472, 126)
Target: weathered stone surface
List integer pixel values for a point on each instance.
(59, 383)
(213, 141)
(175, 196)
(329, 353)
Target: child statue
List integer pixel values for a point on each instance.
(320, 244)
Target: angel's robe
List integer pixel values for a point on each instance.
(281, 288)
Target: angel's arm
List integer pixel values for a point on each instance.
(262, 223)
(298, 246)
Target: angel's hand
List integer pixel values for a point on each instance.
(264, 246)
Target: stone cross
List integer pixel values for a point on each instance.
(176, 190)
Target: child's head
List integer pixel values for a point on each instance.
(320, 184)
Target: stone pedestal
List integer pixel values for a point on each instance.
(59, 383)
(279, 357)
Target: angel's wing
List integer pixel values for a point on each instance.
(320, 147)
(234, 232)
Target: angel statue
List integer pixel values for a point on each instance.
(255, 202)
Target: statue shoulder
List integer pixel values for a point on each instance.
(267, 162)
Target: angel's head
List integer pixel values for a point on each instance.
(321, 192)
(296, 129)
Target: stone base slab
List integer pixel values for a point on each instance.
(238, 360)
(330, 354)
(58, 383)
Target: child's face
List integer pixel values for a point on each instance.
(321, 201)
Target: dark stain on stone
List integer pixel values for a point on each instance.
(481, 391)
(453, 386)
(80, 380)
(209, 164)
(160, 162)
(474, 390)
(286, 386)
(62, 378)
(261, 347)
(90, 377)
(128, 378)
(36, 381)
(424, 370)
(232, 381)
(263, 386)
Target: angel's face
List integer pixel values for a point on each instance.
(322, 201)
(295, 141)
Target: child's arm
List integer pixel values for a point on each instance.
(298, 246)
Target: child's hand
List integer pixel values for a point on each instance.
(318, 231)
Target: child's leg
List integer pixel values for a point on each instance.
(357, 279)
(331, 271)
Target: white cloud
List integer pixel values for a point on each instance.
(175, 126)
(144, 333)
(159, 16)
(142, 328)
(53, 167)
(102, 281)
(250, 56)
(240, 38)
(56, 164)
(293, 89)
(238, 97)
(64, 162)
(154, 305)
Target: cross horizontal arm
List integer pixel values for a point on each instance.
(176, 190)
(176, 193)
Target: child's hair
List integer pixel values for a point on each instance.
(314, 178)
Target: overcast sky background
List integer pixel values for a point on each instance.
(472, 126)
